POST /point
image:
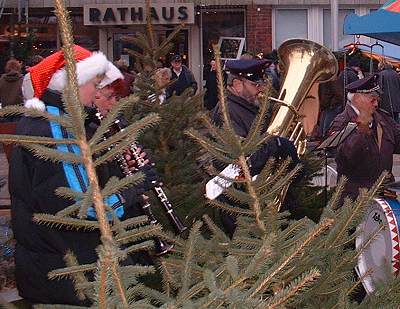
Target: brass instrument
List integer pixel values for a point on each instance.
(304, 63)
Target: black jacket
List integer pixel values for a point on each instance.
(184, 81)
(40, 249)
(390, 86)
(242, 115)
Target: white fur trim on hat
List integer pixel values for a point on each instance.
(35, 103)
(96, 64)
(112, 74)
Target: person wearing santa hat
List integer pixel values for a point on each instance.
(33, 181)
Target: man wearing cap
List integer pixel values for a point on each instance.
(33, 181)
(244, 83)
(369, 149)
(183, 76)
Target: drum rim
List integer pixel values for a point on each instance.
(392, 224)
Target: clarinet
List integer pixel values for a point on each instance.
(158, 190)
(161, 247)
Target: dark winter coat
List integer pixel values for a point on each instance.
(40, 248)
(242, 115)
(330, 94)
(10, 88)
(211, 96)
(346, 77)
(359, 157)
(389, 81)
(185, 80)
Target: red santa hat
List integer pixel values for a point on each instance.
(50, 73)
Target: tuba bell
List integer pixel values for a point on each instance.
(304, 63)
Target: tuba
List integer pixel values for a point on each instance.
(304, 63)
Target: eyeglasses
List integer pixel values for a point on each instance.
(255, 84)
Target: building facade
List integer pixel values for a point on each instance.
(103, 24)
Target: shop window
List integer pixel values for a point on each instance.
(289, 24)
(85, 36)
(343, 39)
(180, 45)
(218, 23)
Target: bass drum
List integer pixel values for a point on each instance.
(380, 260)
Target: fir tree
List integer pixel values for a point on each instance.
(271, 262)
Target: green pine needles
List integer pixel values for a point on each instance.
(270, 262)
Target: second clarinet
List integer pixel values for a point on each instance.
(158, 190)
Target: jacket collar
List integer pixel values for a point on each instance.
(242, 102)
(53, 98)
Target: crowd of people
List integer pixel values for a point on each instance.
(371, 102)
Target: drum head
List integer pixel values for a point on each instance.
(378, 256)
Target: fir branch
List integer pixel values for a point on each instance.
(71, 100)
(69, 194)
(231, 209)
(115, 185)
(40, 140)
(263, 282)
(103, 269)
(188, 257)
(13, 110)
(122, 139)
(70, 271)
(46, 153)
(255, 205)
(215, 229)
(222, 136)
(121, 289)
(260, 257)
(215, 149)
(138, 234)
(154, 295)
(165, 45)
(167, 277)
(232, 266)
(63, 222)
(149, 25)
(110, 118)
(281, 298)
(256, 126)
(143, 246)
(55, 306)
(141, 41)
(130, 222)
(363, 199)
(75, 272)
(69, 211)
(221, 92)
(86, 202)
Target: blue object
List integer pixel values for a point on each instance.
(382, 24)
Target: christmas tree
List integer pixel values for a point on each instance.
(270, 262)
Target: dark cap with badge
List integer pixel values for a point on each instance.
(176, 58)
(368, 84)
(251, 69)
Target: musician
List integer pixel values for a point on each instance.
(369, 149)
(244, 82)
(33, 181)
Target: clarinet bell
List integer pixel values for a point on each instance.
(162, 247)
